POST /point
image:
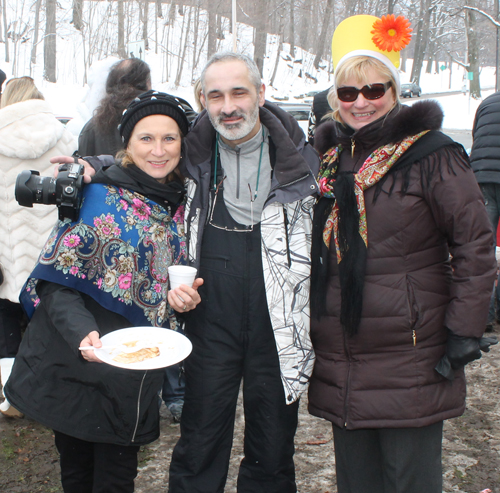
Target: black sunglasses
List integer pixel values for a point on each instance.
(372, 91)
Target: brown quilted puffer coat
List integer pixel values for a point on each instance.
(384, 377)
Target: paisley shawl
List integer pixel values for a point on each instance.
(117, 253)
(346, 221)
(372, 171)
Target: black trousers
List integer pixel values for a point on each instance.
(88, 467)
(12, 322)
(233, 340)
(389, 460)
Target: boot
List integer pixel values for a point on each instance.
(5, 369)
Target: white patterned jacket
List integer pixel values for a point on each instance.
(29, 136)
(286, 224)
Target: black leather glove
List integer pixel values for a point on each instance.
(461, 350)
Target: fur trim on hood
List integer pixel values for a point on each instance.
(401, 122)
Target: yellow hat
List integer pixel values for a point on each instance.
(367, 35)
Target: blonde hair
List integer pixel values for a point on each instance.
(197, 91)
(358, 68)
(19, 89)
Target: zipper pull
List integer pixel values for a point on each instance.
(353, 146)
(414, 337)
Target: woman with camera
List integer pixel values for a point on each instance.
(105, 272)
(29, 136)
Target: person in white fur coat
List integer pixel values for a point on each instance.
(29, 136)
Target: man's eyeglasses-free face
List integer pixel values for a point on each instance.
(372, 91)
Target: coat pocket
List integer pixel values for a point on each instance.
(413, 309)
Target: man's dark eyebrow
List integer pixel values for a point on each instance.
(243, 88)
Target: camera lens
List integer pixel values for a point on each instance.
(31, 188)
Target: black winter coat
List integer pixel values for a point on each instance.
(91, 142)
(485, 154)
(53, 384)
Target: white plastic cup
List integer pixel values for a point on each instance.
(181, 274)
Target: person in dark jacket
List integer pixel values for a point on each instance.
(105, 272)
(485, 162)
(126, 80)
(319, 109)
(402, 268)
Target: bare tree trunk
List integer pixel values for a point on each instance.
(78, 14)
(430, 58)
(145, 25)
(473, 51)
(324, 31)
(292, 28)
(260, 35)
(404, 57)
(195, 38)
(212, 27)
(171, 14)
(49, 47)
(122, 52)
(159, 12)
(4, 10)
(421, 40)
(305, 27)
(183, 57)
(281, 27)
(36, 28)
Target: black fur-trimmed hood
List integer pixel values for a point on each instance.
(401, 122)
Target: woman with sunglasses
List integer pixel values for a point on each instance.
(402, 270)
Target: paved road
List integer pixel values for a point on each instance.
(462, 136)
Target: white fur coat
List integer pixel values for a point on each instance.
(29, 136)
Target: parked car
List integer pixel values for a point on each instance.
(299, 111)
(409, 90)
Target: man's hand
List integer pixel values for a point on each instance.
(89, 171)
(184, 298)
(92, 339)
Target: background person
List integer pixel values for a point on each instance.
(126, 80)
(319, 109)
(29, 136)
(485, 161)
(2, 80)
(102, 273)
(394, 320)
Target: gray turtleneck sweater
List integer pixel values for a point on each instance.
(241, 165)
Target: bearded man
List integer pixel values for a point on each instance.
(251, 187)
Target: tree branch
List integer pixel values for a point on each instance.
(493, 21)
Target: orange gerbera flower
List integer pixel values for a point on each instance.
(391, 33)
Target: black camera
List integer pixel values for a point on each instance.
(65, 191)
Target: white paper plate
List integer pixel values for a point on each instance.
(173, 346)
